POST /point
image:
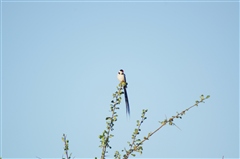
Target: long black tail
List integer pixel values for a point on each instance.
(126, 101)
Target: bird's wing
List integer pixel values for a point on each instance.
(125, 80)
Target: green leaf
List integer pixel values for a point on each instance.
(108, 118)
(197, 102)
(208, 96)
(145, 138)
(149, 134)
(110, 136)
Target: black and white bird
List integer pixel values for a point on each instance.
(122, 78)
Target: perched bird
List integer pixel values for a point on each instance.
(122, 78)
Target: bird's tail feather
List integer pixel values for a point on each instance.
(126, 101)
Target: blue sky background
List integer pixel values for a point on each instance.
(59, 67)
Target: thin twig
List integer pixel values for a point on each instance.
(170, 121)
(113, 118)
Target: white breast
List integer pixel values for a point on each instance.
(120, 77)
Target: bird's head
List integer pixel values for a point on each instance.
(121, 72)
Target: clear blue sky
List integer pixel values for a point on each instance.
(59, 66)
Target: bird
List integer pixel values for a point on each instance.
(122, 78)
